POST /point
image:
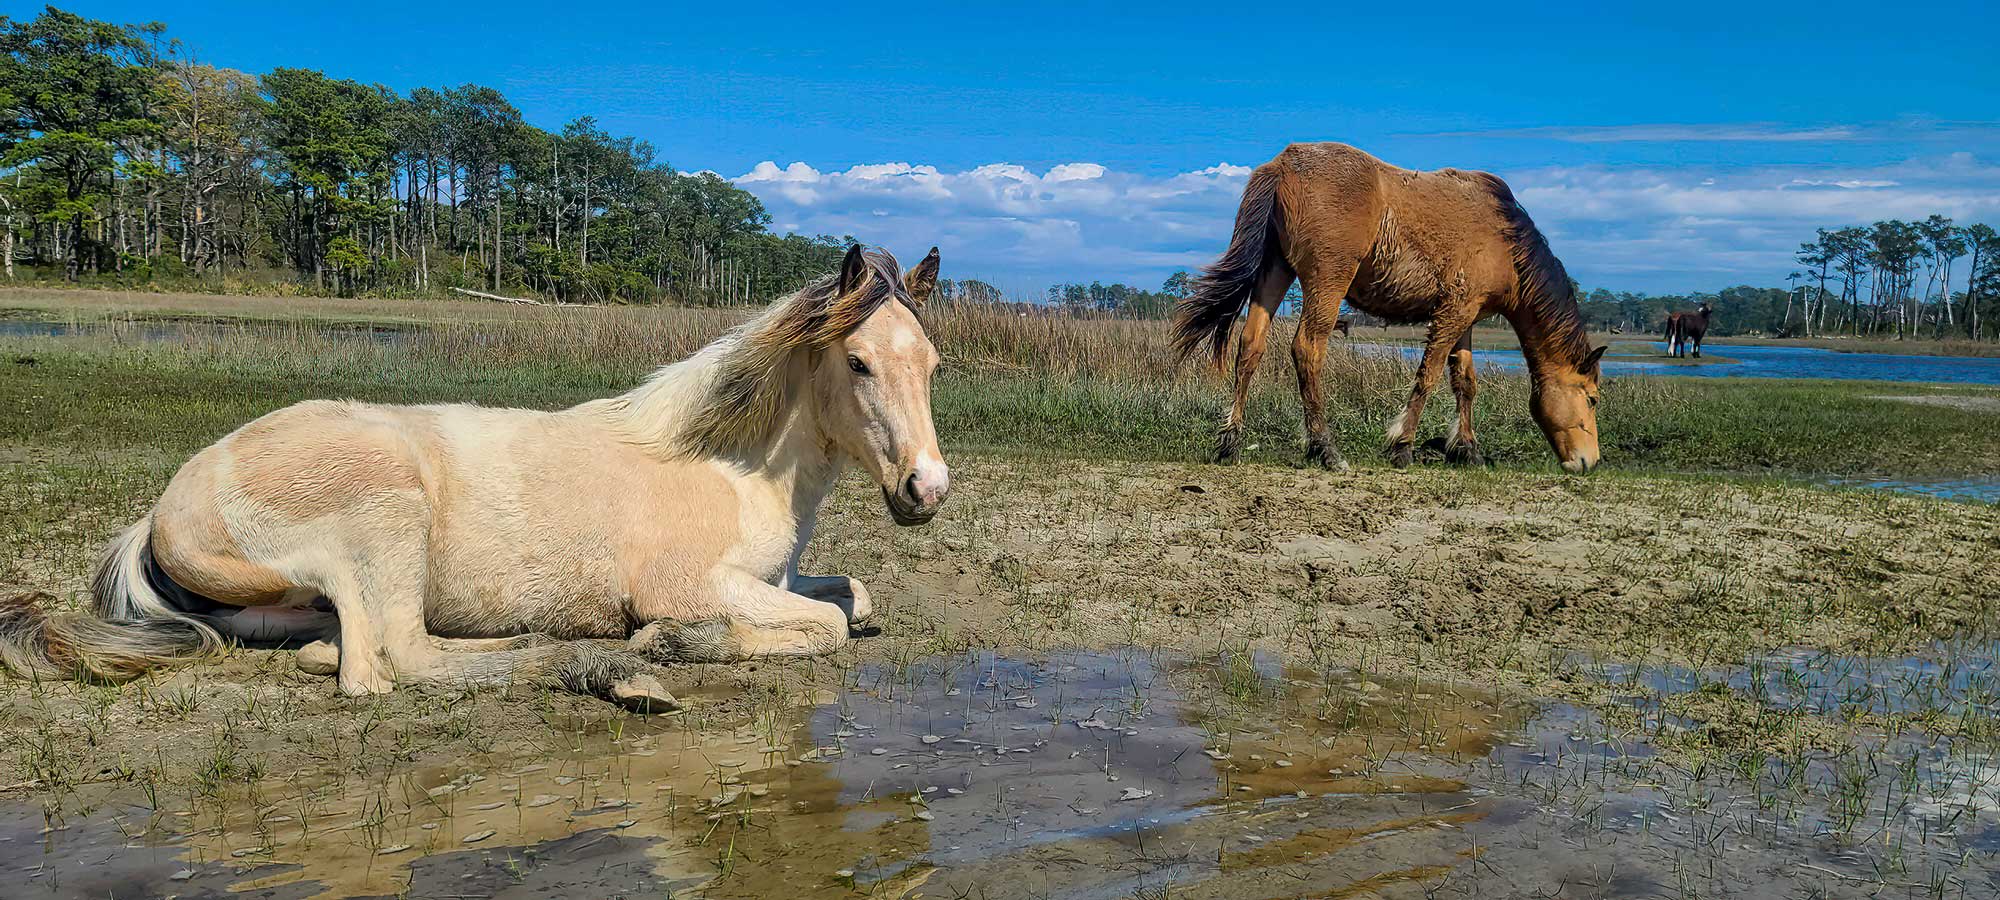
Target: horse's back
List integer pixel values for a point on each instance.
(1411, 238)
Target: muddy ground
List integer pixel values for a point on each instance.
(1481, 620)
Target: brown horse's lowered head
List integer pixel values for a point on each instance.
(1564, 402)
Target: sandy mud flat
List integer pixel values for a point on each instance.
(1144, 680)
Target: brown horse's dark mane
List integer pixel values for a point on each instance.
(1543, 282)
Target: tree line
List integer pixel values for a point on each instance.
(1897, 276)
(1890, 278)
(122, 156)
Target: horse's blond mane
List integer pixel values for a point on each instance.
(728, 397)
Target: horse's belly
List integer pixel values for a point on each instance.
(535, 585)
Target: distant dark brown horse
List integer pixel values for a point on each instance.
(1448, 247)
(1686, 329)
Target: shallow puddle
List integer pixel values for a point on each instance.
(1073, 775)
(1124, 771)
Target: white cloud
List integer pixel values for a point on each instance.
(1075, 172)
(1623, 228)
(1661, 229)
(1016, 227)
(1844, 183)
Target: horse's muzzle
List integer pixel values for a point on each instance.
(906, 511)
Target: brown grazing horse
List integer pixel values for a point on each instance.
(1686, 329)
(1448, 247)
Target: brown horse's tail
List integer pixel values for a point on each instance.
(132, 629)
(1222, 289)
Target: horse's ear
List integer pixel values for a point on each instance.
(921, 280)
(1590, 361)
(853, 271)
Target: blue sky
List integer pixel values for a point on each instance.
(1678, 147)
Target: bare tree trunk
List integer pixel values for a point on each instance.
(496, 232)
(1972, 293)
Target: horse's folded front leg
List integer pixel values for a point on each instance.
(744, 618)
(847, 593)
(595, 668)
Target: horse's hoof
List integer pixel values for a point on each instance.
(1322, 453)
(319, 658)
(364, 686)
(1228, 447)
(1464, 455)
(1402, 455)
(643, 693)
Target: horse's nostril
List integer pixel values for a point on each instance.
(910, 488)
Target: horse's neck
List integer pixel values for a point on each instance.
(1544, 343)
(797, 462)
(794, 462)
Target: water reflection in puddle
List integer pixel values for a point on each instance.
(1124, 771)
(1088, 775)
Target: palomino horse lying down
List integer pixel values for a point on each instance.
(455, 544)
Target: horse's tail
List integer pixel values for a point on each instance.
(1222, 289)
(132, 629)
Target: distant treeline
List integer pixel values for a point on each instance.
(1908, 279)
(124, 158)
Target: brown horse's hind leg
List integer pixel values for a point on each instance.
(1264, 300)
(1324, 290)
(1462, 447)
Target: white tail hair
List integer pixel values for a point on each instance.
(132, 628)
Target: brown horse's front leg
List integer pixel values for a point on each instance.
(1444, 333)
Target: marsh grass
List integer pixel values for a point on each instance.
(1010, 383)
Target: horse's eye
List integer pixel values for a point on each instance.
(855, 365)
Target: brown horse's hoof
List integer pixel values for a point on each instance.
(1228, 445)
(1402, 455)
(1465, 454)
(1321, 451)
